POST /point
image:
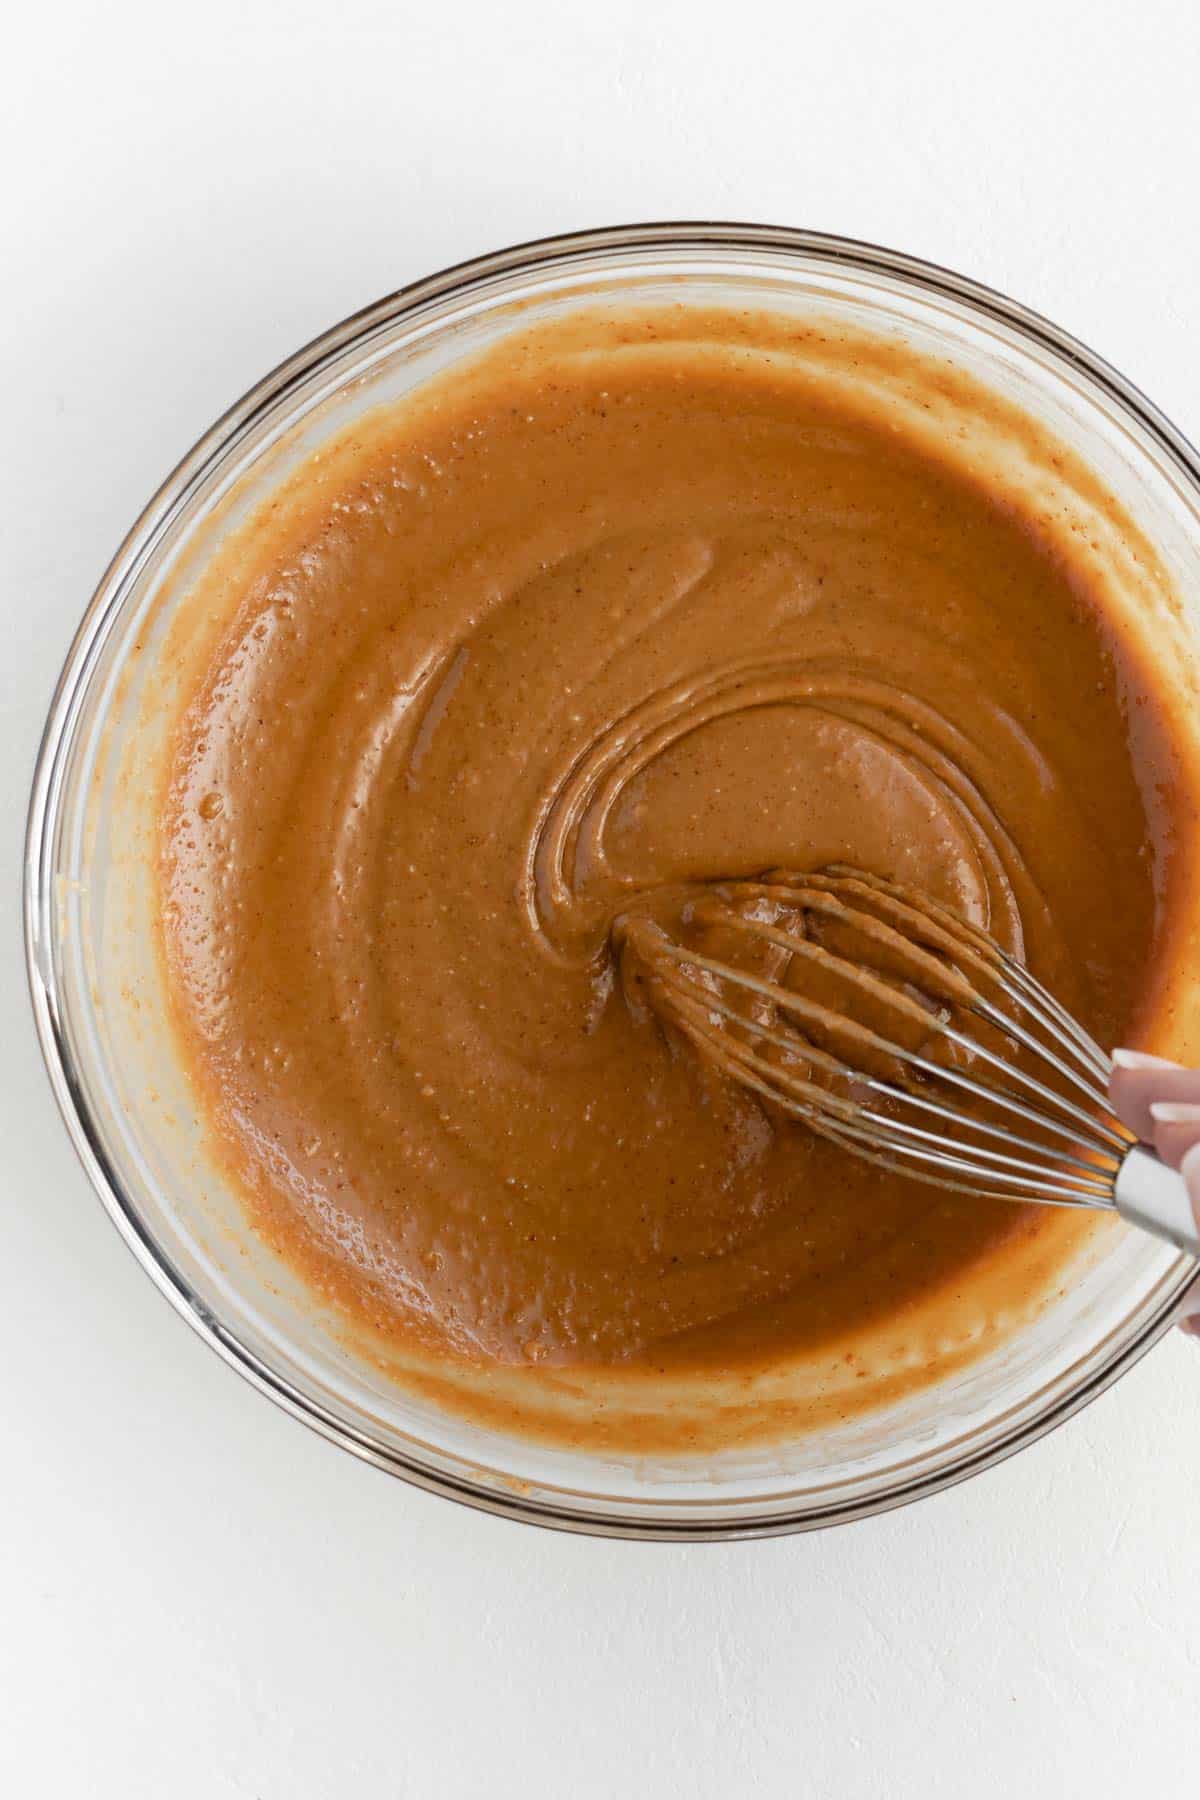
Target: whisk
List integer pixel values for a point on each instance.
(885, 1022)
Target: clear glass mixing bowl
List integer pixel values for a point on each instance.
(89, 900)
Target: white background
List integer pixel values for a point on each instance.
(198, 1598)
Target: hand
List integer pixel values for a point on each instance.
(1161, 1102)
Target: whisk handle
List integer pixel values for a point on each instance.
(1149, 1194)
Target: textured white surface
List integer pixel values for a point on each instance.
(199, 1598)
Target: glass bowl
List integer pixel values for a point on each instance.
(89, 899)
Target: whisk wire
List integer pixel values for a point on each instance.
(969, 998)
(1045, 1194)
(1033, 1141)
(813, 1013)
(985, 952)
(1053, 1017)
(724, 1047)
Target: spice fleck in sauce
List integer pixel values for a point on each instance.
(636, 602)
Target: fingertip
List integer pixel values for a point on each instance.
(1141, 1059)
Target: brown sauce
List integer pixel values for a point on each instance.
(632, 604)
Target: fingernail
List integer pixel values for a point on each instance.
(1174, 1112)
(1189, 1168)
(1141, 1059)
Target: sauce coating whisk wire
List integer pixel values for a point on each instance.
(882, 1020)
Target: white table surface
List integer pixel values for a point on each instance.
(197, 1597)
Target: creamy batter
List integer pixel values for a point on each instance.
(640, 602)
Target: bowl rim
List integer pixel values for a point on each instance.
(169, 502)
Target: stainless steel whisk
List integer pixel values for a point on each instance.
(885, 1022)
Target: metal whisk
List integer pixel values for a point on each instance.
(885, 1022)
